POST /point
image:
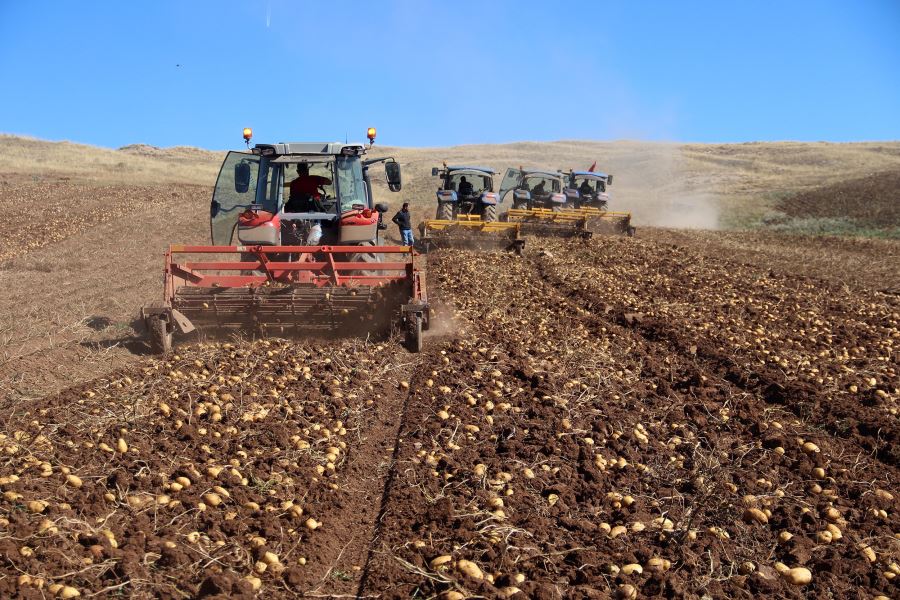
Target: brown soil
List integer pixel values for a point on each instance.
(873, 201)
(704, 361)
(588, 406)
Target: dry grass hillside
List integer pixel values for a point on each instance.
(706, 186)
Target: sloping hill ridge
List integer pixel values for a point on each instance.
(870, 202)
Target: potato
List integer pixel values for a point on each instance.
(796, 576)
(754, 515)
(440, 561)
(469, 569)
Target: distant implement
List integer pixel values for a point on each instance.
(466, 215)
(296, 250)
(588, 193)
(539, 205)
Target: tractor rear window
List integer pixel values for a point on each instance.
(479, 183)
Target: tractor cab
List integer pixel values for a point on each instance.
(588, 189)
(298, 193)
(465, 191)
(534, 189)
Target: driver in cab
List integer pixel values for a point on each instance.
(585, 188)
(465, 187)
(305, 194)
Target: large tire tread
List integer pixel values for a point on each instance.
(160, 336)
(445, 211)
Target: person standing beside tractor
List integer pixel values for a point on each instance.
(403, 220)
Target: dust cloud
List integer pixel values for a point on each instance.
(653, 181)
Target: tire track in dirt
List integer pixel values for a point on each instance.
(410, 384)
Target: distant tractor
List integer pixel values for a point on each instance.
(467, 213)
(588, 189)
(299, 232)
(588, 192)
(465, 191)
(533, 189)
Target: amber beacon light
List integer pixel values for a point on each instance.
(370, 133)
(248, 133)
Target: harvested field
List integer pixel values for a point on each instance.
(605, 419)
(680, 414)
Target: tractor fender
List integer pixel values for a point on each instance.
(572, 194)
(446, 196)
(489, 198)
(521, 195)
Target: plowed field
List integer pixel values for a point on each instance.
(614, 418)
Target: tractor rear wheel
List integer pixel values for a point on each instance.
(367, 257)
(445, 211)
(160, 336)
(490, 213)
(414, 333)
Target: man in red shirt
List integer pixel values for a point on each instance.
(305, 194)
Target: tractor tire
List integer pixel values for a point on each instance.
(444, 211)
(160, 336)
(414, 333)
(367, 257)
(520, 205)
(490, 213)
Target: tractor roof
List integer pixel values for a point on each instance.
(450, 169)
(554, 174)
(596, 174)
(309, 148)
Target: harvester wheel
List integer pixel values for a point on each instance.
(445, 211)
(414, 333)
(490, 213)
(160, 336)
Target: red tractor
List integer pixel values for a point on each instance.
(296, 249)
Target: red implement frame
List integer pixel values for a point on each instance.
(314, 265)
(288, 288)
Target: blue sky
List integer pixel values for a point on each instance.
(443, 73)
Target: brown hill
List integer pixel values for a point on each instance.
(872, 201)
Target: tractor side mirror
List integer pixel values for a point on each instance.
(609, 180)
(392, 171)
(435, 171)
(241, 177)
(381, 207)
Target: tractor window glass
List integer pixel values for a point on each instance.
(310, 179)
(270, 201)
(350, 183)
(477, 181)
(235, 191)
(542, 184)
